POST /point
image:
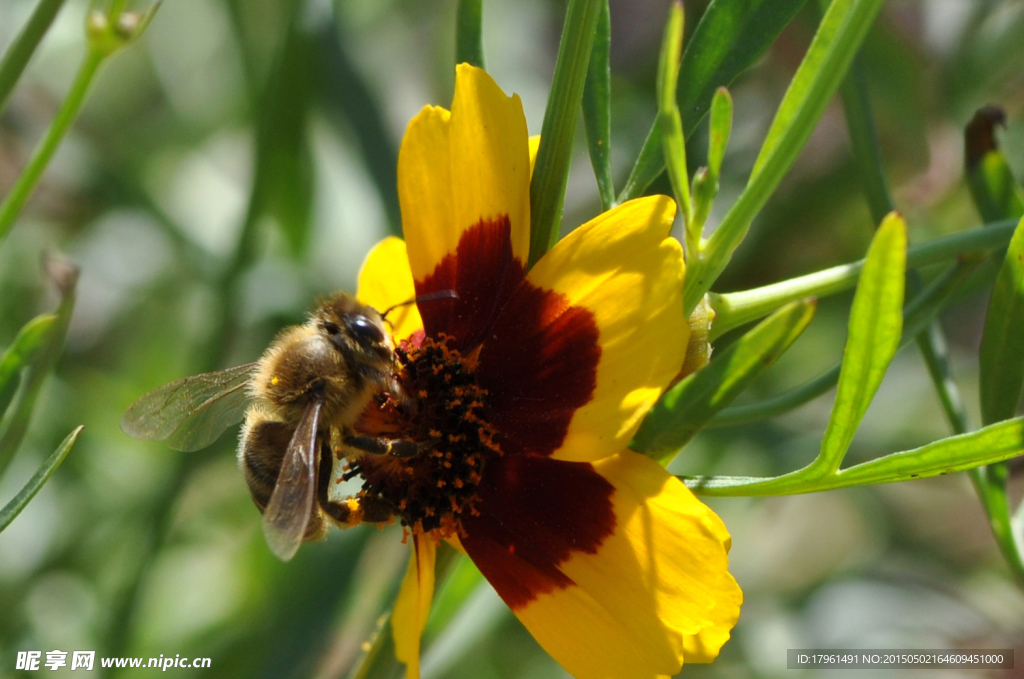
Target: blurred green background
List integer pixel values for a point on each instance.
(240, 159)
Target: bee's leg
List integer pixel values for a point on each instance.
(352, 511)
(379, 445)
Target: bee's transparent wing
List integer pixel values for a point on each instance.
(291, 504)
(192, 412)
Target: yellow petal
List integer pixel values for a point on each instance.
(412, 607)
(585, 347)
(457, 169)
(385, 280)
(534, 145)
(677, 546)
(652, 587)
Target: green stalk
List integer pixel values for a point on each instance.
(24, 46)
(734, 309)
(66, 115)
(469, 45)
(547, 189)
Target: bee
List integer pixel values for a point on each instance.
(310, 385)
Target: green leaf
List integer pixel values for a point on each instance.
(469, 28)
(876, 323)
(864, 139)
(42, 475)
(465, 610)
(721, 126)
(672, 139)
(347, 94)
(547, 188)
(1002, 342)
(705, 180)
(994, 443)
(731, 35)
(917, 317)
(597, 119)
(689, 405)
(24, 46)
(451, 596)
(28, 340)
(283, 184)
(832, 50)
(15, 422)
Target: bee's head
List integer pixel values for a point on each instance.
(356, 330)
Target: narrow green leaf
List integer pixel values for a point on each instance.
(705, 180)
(597, 119)
(994, 443)
(451, 596)
(917, 317)
(1002, 341)
(721, 126)
(15, 422)
(876, 322)
(20, 353)
(347, 94)
(547, 188)
(469, 31)
(24, 46)
(689, 405)
(672, 139)
(42, 475)
(731, 35)
(864, 139)
(283, 185)
(832, 50)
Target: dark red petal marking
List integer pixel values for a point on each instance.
(539, 365)
(484, 274)
(534, 513)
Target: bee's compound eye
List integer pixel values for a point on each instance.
(331, 328)
(364, 330)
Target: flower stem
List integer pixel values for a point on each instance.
(24, 46)
(66, 115)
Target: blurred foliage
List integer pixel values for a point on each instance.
(239, 160)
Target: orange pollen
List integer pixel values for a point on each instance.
(448, 421)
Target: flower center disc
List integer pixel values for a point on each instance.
(434, 487)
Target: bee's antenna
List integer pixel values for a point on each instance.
(429, 297)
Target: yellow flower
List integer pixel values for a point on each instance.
(527, 388)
